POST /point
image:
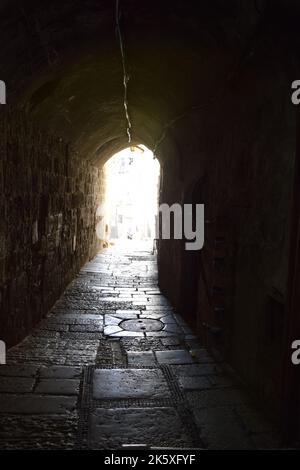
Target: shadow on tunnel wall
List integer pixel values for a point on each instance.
(234, 291)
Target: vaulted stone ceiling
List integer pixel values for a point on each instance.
(63, 62)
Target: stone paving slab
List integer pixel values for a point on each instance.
(18, 370)
(171, 341)
(36, 404)
(38, 432)
(86, 328)
(180, 356)
(127, 314)
(145, 358)
(159, 427)
(167, 319)
(111, 320)
(153, 315)
(60, 372)
(218, 397)
(221, 429)
(111, 329)
(57, 327)
(16, 384)
(195, 369)
(129, 383)
(173, 328)
(159, 334)
(98, 320)
(58, 387)
(82, 337)
(194, 383)
(157, 308)
(127, 334)
(202, 356)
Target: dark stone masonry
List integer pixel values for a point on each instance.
(48, 221)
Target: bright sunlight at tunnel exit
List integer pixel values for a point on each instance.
(131, 199)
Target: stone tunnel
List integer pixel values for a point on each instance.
(205, 86)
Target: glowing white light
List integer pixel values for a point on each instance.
(132, 177)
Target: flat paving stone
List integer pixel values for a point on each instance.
(217, 397)
(161, 427)
(220, 429)
(129, 383)
(57, 327)
(168, 319)
(86, 328)
(147, 314)
(180, 356)
(159, 307)
(60, 372)
(16, 384)
(127, 314)
(173, 328)
(202, 356)
(36, 404)
(158, 334)
(83, 337)
(58, 387)
(194, 383)
(171, 341)
(41, 432)
(111, 329)
(144, 358)
(88, 321)
(18, 370)
(127, 334)
(190, 370)
(110, 320)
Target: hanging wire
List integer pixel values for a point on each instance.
(125, 74)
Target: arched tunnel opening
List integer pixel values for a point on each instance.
(149, 345)
(131, 199)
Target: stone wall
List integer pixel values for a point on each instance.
(48, 202)
(238, 160)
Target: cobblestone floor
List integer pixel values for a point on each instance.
(113, 365)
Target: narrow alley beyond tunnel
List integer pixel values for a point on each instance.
(112, 365)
